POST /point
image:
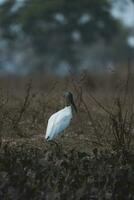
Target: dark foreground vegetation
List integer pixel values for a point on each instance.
(92, 160)
(56, 174)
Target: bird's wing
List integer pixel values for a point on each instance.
(61, 125)
(58, 122)
(50, 125)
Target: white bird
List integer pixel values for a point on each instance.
(60, 120)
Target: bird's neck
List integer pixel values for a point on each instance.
(68, 103)
(72, 105)
(74, 109)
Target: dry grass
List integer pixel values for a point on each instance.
(105, 105)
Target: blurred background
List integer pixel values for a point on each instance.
(56, 36)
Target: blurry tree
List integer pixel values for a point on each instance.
(57, 28)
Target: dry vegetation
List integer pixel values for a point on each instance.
(93, 159)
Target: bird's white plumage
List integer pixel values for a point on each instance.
(58, 122)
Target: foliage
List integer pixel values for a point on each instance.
(58, 27)
(27, 172)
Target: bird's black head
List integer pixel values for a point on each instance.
(68, 95)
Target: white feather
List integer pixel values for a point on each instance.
(58, 122)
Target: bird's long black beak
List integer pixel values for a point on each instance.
(74, 107)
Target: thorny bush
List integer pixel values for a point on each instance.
(54, 173)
